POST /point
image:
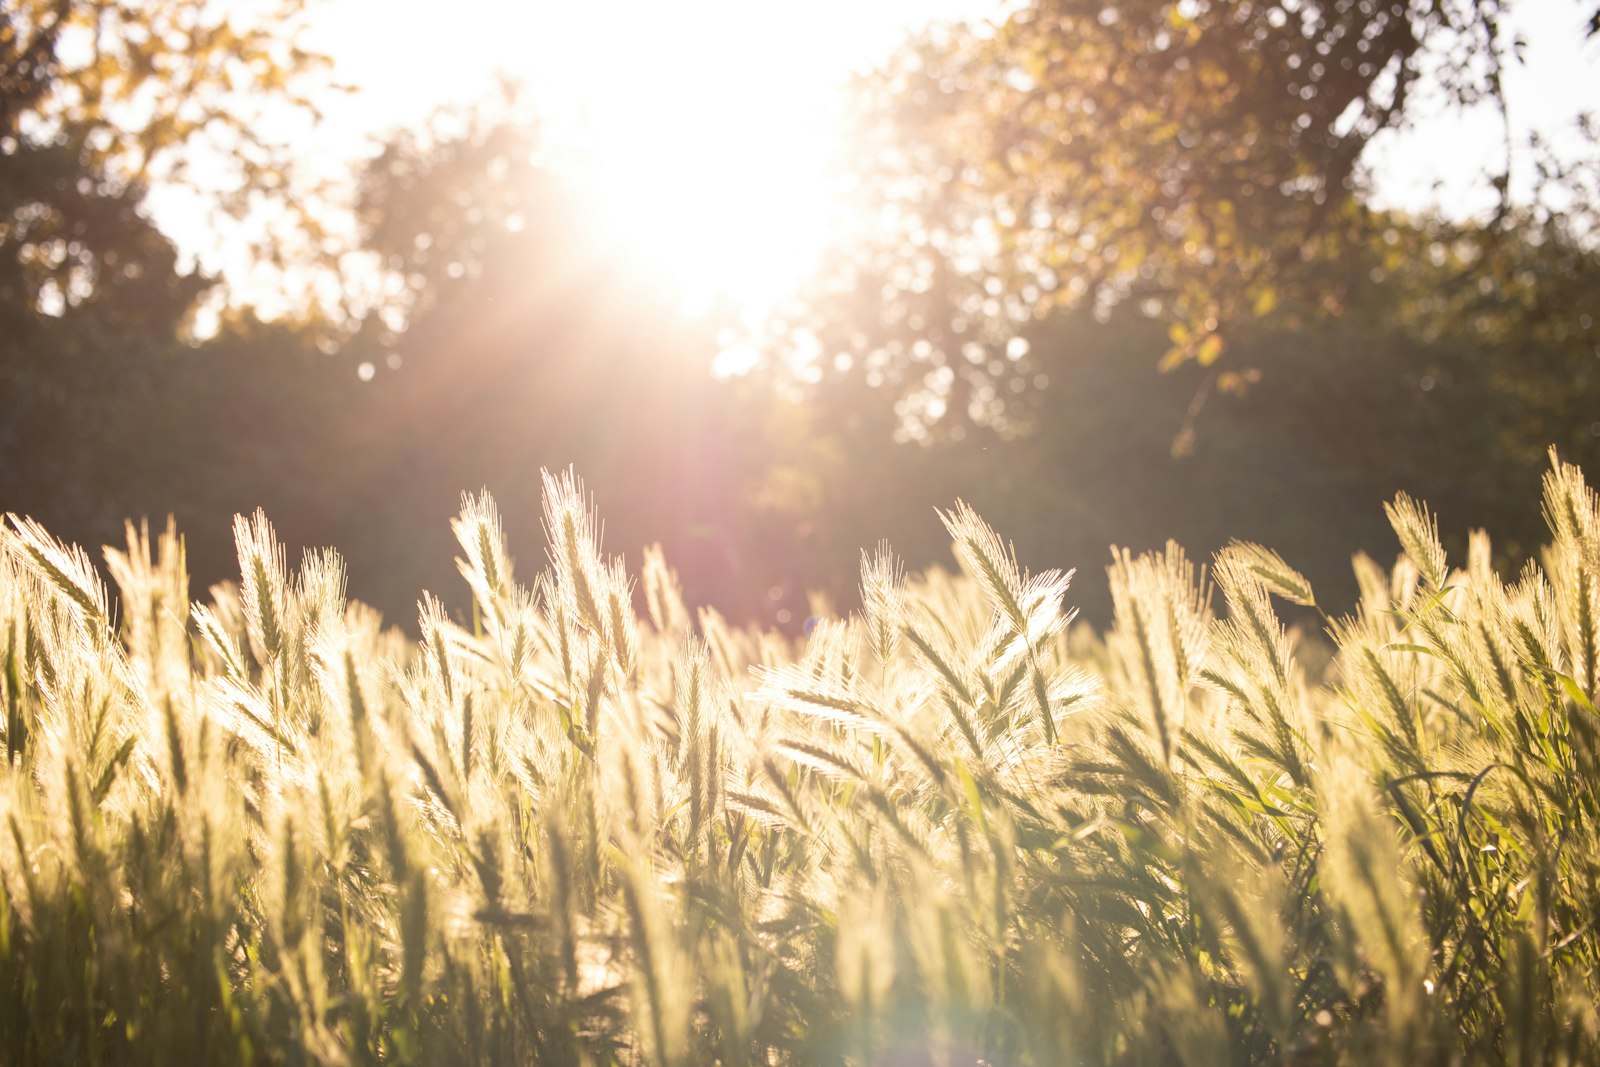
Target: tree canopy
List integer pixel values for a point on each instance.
(102, 99)
(1202, 162)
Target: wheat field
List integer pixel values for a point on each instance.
(949, 829)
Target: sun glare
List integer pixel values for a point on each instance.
(701, 130)
(703, 134)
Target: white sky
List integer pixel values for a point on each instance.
(413, 53)
(1441, 162)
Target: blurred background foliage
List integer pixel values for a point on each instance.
(1123, 282)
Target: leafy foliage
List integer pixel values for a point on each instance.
(1203, 162)
(266, 829)
(203, 98)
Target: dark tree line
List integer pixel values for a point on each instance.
(1377, 353)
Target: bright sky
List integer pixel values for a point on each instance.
(704, 125)
(1440, 163)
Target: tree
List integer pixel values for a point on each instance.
(105, 411)
(99, 99)
(1199, 161)
(1428, 382)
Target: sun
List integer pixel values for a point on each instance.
(702, 134)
